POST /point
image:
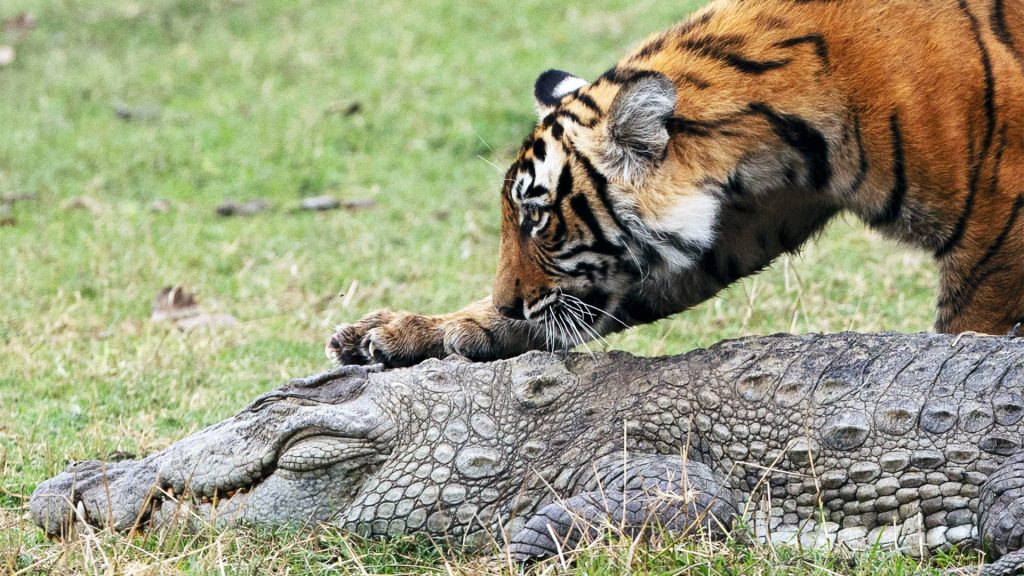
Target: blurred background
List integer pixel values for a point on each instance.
(173, 143)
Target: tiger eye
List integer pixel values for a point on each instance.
(533, 213)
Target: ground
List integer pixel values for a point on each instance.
(126, 123)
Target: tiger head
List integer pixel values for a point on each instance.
(635, 198)
(570, 220)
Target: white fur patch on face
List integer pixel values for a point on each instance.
(545, 174)
(521, 185)
(693, 220)
(550, 169)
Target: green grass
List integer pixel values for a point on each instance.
(254, 101)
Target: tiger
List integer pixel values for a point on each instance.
(732, 138)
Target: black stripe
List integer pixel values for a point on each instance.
(962, 294)
(862, 170)
(581, 207)
(588, 103)
(894, 205)
(738, 62)
(690, 127)
(540, 149)
(548, 264)
(990, 84)
(626, 75)
(572, 116)
(593, 272)
(559, 234)
(1002, 30)
(961, 225)
(990, 125)
(529, 169)
(655, 45)
(600, 184)
(565, 183)
(771, 22)
(557, 130)
(692, 24)
(816, 40)
(562, 190)
(536, 191)
(804, 138)
(997, 246)
(691, 79)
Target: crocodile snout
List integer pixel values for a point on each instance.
(293, 443)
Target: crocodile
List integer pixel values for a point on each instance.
(909, 441)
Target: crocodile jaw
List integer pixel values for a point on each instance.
(264, 465)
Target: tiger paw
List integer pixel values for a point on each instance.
(394, 339)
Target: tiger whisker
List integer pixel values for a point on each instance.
(575, 305)
(551, 327)
(484, 142)
(593, 335)
(571, 321)
(597, 309)
(548, 338)
(563, 332)
(491, 164)
(583, 318)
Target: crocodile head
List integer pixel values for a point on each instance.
(300, 453)
(448, 448)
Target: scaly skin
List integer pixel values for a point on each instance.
(911, 440)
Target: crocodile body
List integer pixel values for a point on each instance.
(907, 440)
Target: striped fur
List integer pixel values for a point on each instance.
(734, 137)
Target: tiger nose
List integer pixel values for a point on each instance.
(513, 310)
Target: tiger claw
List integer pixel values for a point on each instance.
(371, 349)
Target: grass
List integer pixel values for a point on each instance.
(407, 104)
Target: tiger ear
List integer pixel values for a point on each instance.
(551, 86)
(637, 129)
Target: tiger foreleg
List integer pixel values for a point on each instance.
(397, 339)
